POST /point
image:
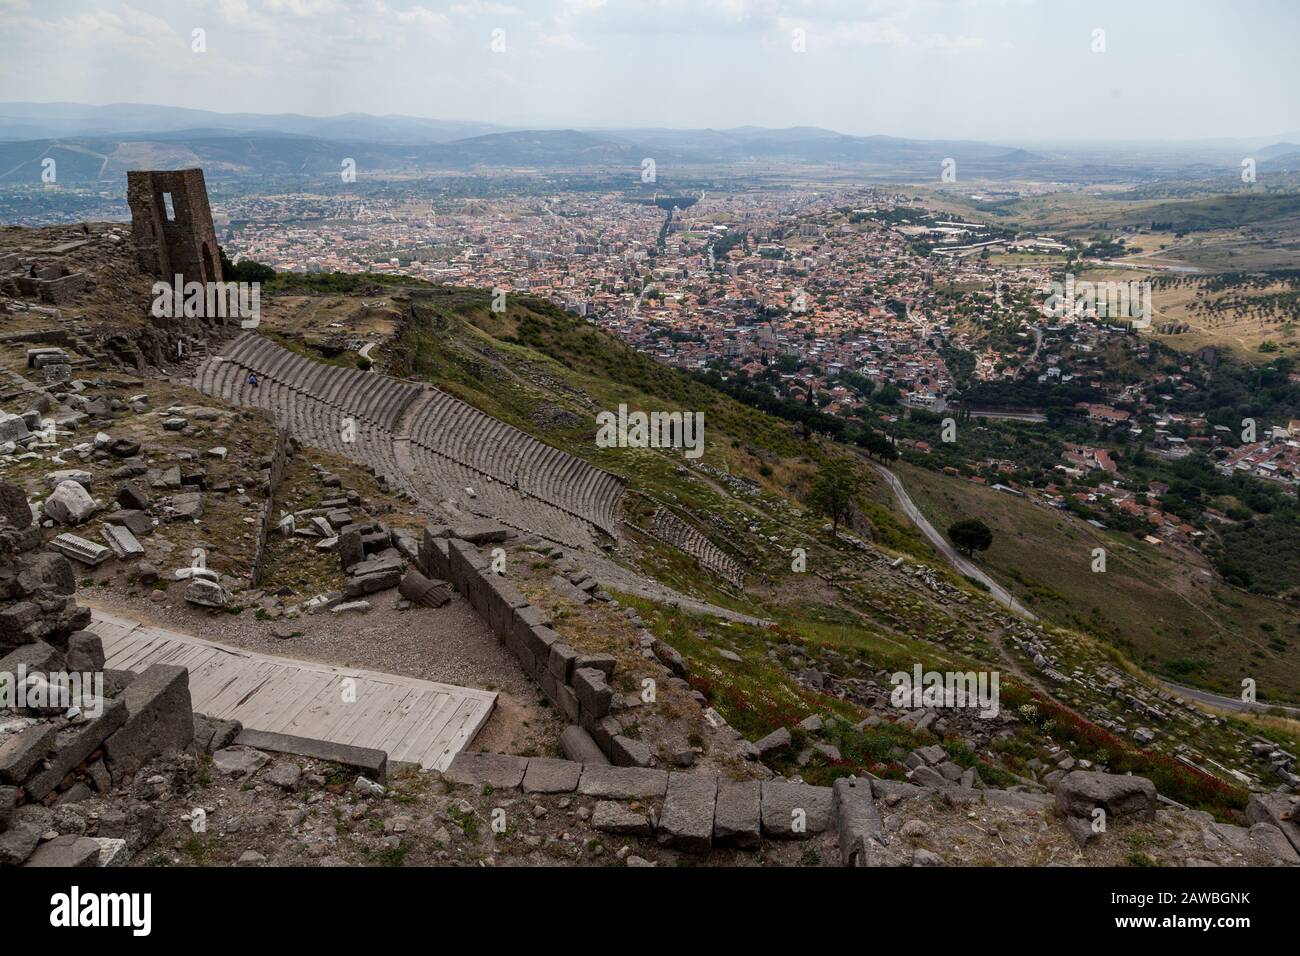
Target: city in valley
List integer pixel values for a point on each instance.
(847, 301)
(652, 452)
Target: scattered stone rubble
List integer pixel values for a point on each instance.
(1281, 762)
(877, 822)
(71, 738)
(36, 586)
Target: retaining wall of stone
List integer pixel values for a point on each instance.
(577, 685)
(694, 811)
(267, 525)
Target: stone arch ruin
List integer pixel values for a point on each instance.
(171, 224)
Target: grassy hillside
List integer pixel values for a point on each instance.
(550, 374)
(855, 610)
(1165, 609)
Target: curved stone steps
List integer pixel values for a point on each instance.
(427, 443)
(492, 499)
(669, 528)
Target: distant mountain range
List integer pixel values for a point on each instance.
(58, 120)
(99, 143)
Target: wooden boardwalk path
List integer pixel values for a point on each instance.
(412, 720)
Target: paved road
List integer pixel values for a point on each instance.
(1228, 703)
(1011, 416)
(958, 561)
(1002, 596)
(365, 352)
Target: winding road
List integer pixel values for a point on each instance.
(958, 561)
(1234, 704)
(1004, 597)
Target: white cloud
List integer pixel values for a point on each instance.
(563, 41)
(931, 64)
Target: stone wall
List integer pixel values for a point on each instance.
(52, 285)
(37, 336)
(692, 812)
(268, 523)
(577, 684)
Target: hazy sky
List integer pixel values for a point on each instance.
(979, 69)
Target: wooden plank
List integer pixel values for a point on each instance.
(131, 649)
(441, 745)
(139, 645)
(327, 702)
(237, 685)
(411, 725)
(114, 634)
(202, 696)
(170, 652)
(202, 671)
(401, 706)
(468, 731)
(316, 686)
(270, 697)
(422, 743)
(182, 655)
(113, 629)
(474, 719)
(410, 719)
(371, 697)
(398, 709)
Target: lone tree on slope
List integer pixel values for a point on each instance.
(877, 446)
(833, 491)
(970, 535)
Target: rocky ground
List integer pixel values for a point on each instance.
(191, 476)
(269, 809)
(327, 820)
(95, 448)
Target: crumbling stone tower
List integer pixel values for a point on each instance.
(171, 224)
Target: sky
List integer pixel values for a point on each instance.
(995, 70)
